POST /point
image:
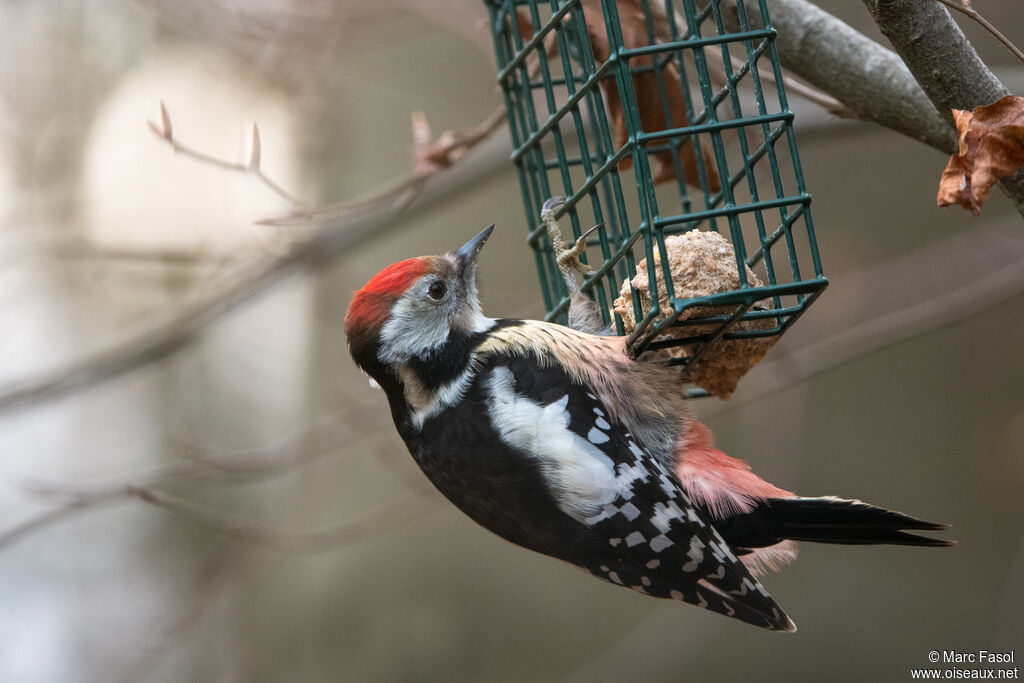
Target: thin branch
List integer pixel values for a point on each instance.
(15, 533)
(204, 470)
(973, 14)
(317, 440)
(353, 530)
(812, 95)
(865, 76)
(165, 131)
(431, 154)
(370, 524)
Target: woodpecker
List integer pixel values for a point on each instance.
(558, 441)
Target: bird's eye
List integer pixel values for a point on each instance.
(437, 290)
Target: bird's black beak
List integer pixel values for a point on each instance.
(465, 257)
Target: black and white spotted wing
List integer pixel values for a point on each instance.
(648, 536)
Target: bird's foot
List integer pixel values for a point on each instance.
(567, 258)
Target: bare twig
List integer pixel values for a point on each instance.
(812, 95)
(353, 530)
(959, 6)
(206, 470)
(165, 131)
(429, 158)
(13, 534)
(430, 155)
(370, 524)
(321, 437)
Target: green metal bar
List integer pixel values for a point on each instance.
(612, 188)
(715, 126)
(642, 172)
(691, 116)
(790, 137)
(717, 145)
(534, 42)
(553, 119)
(733, 210)
(658, 70)
(745, 301)
(741, 134)
(794, 156)
(549, 98)
(502, 47)
(768, 240)
(581, 138)
(584, 190)
(691, 43)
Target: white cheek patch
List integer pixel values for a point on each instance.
(417, 326)
(580, 476)
(411, 330)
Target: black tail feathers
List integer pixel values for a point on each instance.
(825, 520)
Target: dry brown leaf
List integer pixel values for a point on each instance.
(648, 94)
(524, 23)
(991, 148)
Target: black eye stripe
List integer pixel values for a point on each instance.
(437, 290)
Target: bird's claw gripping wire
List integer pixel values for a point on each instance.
(567, 258)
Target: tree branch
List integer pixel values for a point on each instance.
(944, 62)
(165, 131)
(207, 469)
(937, 53)
(986, 24)
(370, 524)
(863, 75)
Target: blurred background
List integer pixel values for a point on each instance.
(241, 509)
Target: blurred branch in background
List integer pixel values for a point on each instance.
(205, 468)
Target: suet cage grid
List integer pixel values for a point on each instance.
(655, 117)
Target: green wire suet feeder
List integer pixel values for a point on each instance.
(653, 118)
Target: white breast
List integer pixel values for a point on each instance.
(579, 475)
